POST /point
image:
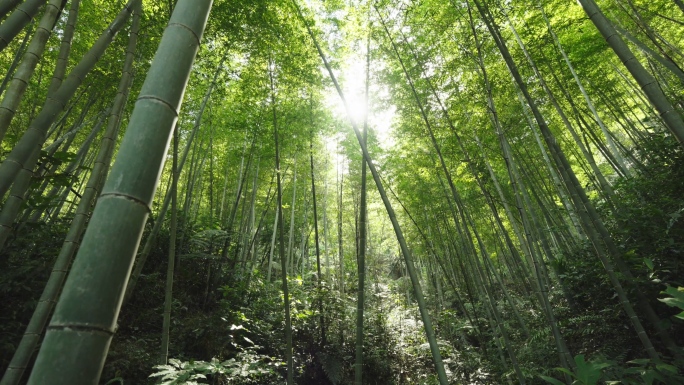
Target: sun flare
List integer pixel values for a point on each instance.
(353, 83)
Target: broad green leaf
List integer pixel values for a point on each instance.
(588, 373)
(566, 371)
(669, 368)
(551, 380)
(639, 361)
(649, 263)
(676, 299)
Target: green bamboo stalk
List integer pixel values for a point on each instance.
(664, 60)
(33, 54)
(15, 199)
(290, 239)
(447, 173)
(248, 247)
(35, 136)
(605, 186)
(6, 6)
(55, 212)
(34, 330)
(15, 22)
(606, 133)
(85, 316)
(168, 296)
(149, 242)
(590, 220)
(522, 201)
(69, 170)
(671, 118)
(363, 222)
(64, 48)
(316, 239)
(475, 173)
(620, 161)
(272, 249)
(17, 59)
(281, 238)
(340, 238)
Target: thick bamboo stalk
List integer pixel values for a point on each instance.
(14, 201)
(15, 22)
(149, 242)
(671, 117)
(15, 62)
(33, 54)
(64, 49)
(35, 135)
(86, 313)
(7, 5)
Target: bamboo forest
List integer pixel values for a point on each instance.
(358, 192)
